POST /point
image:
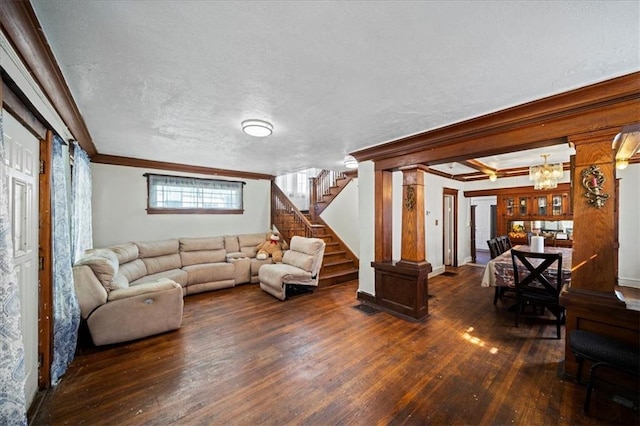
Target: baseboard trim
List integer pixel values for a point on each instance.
(629, 282)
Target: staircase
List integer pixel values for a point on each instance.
(324, 188)
(340, 264)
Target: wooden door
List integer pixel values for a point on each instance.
(473, 233)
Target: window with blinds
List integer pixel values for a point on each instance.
(176, 194)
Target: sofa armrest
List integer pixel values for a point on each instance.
(90, 292)
(137, 316)
(242, 269)
(235, 255)
(160, 285)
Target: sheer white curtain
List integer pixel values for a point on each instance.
(81, 229)
(13, 410)
(296, 186)
(196, 193)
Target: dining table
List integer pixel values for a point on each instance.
(499, 270)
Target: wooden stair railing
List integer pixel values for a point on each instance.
(339, 264)
(324, 188)
(286, 217)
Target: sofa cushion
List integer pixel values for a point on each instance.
(209, 272)
(281, 273)
(103, 263)
(158, 248)
(146, 288)
(177, 275)
(231, 244)
(133, 270)
(299, 260)
(303, 249)
(199, 244)
(125, 252)
(307, 245)
(202, 256)
(249, 242)
(162, 263)
(119, 282)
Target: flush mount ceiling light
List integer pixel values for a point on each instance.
(257, 128)
(545, 176)
(350, 162)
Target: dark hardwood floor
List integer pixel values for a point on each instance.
(244, 358)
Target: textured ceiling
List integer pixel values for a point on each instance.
(173, 80)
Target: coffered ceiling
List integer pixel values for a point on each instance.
(172, 80)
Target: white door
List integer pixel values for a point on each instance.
(483, 221)
(449, 231)
(22, 164)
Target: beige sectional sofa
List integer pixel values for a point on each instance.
(133, 290)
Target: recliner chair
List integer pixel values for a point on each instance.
(300, 267)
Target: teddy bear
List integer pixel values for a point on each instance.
(274, 247)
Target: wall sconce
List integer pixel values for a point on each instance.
(622, 164)
(626, 144)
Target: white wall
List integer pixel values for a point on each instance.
(342, 215)
(629, 223)
(366, 212)
(120, 200)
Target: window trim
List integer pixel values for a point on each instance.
(177, 210)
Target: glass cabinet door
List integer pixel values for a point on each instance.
(522, 206)
(556, 205)
(542, 206)
(509, 204)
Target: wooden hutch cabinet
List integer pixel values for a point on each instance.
(523, 211)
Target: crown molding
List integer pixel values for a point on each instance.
(175, 167)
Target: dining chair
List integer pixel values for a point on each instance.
(538, 282)
(506, 243)
(494, 249)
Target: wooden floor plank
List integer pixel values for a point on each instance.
(242, 357)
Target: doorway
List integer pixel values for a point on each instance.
(483, 219)
(449, 227)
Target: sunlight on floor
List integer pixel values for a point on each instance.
(469, 338)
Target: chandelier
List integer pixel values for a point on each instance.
(545, 176)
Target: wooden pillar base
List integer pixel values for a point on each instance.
(402, 288)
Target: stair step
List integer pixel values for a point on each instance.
(336, 263)
(333, 278)
(341, 265)
(335, 253)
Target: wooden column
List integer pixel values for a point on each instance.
(412, 251)
(384, 216)
(591, 300)
(401, 287)
(594, 222)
